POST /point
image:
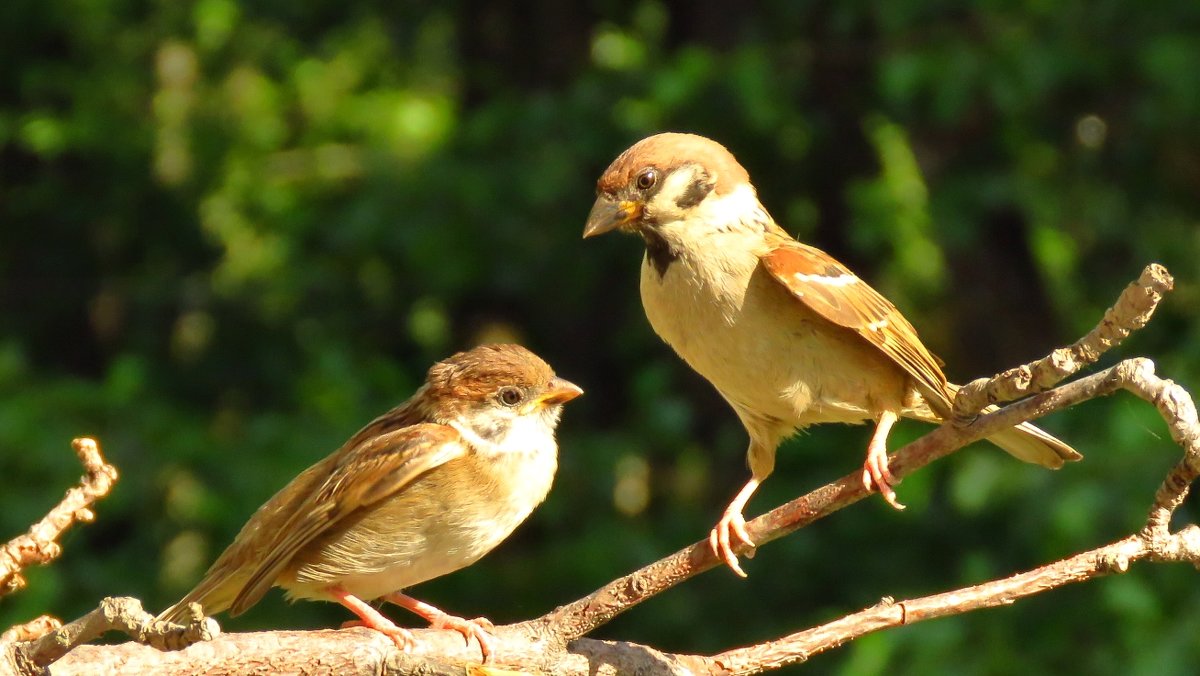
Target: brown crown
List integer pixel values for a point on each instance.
(669, 151)
(478, 372)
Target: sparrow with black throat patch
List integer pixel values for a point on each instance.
(423, 490)
(787, 334)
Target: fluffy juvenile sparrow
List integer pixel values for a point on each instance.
(786, 334)
(423, 490)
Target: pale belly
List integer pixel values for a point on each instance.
(429, 530)
(766, 353)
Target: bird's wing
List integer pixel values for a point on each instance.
(358, 476)
(826, 287)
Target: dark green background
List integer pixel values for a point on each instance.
(232, 233)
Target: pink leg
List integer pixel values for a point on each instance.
(732, 520)
(875, 469)
(371, 618)
(478, 628)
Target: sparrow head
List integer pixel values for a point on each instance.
(668, 178)
(492, 391)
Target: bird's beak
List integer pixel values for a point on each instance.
(558, 392)
(609, 214)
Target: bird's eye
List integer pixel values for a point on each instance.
(510, 396)
(647, 179)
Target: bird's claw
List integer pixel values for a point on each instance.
(877, 475)
(721, 543)
(480, 628)
(402, 637)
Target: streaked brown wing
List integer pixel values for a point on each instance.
(835, 293)
(359, 476)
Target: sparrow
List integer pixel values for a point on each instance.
(422, 491)
(787, 334)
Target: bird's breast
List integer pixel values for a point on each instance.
(763, 349)
(445, 520)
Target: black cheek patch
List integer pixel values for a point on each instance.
(696, 192)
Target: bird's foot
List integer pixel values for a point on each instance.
(722, 544)
(371, 618)
(479, 628)
(876, 474)
(402, 637)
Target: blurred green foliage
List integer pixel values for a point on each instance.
(231, 233)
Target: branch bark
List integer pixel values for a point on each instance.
(40, 544)
(553, 643)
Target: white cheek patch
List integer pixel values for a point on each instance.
(678, 182)
(464, 428)
(514, 433)
(664, 207)
(735, 211)
(527, 432)
(731, 209)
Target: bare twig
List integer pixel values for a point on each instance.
(32, 629)
(123, 614)
(39, 545)
(1132, 310)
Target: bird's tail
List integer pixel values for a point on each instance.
(1032, 444)
(1025, 441)
(215, 593)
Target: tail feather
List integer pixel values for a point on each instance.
(1025, 441)
(1032, 444)
(215, 593)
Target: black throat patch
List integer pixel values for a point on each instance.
(658, 251)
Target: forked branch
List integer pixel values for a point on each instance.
(40, 544)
